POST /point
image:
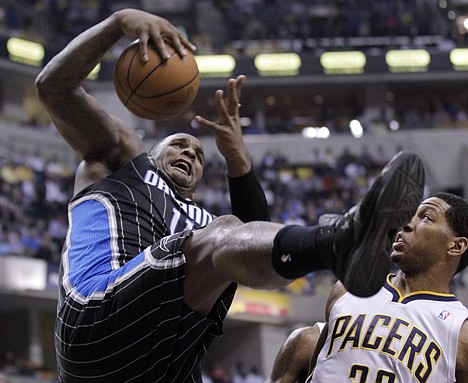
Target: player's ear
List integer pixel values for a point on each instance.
(458, 246)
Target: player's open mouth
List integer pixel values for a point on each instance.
(399, 242)
(182, 165)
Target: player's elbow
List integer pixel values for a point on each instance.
(42, 83)
(50, 84)
(44, 88)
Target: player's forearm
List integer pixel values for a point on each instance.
(248, 201)
(68, 69)
(238, 165)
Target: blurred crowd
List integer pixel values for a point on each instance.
(416, 110)
(55, 22)
(305, 19)
(16, 369)
(13, 366)
(34, 193)
(299, 193)
(216, 373)
(52, 22)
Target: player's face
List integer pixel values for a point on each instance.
(424, 241)
(181, 158)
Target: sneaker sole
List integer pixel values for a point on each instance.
(390, 203)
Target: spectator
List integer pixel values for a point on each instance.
(253, 376)
(217, 373)
(238, 373)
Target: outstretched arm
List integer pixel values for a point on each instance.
(293, 358)
(248, 199)
(336, 293)
(88, 128)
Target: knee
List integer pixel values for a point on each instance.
(225, 221)
(221, 229)
(208, 240)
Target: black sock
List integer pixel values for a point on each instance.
(297, 252)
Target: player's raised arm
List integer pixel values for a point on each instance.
(228, 130)
(89, 129)
(248, 199)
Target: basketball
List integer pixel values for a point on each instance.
(157, 89)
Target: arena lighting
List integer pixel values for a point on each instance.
(464, 23)
(408, 60)
(245, 121)
(356, 129)
(313, 132)
(25, 52)
(277, 64)
(215, 65)
(352, 62)
(394, 125)
(459, 59)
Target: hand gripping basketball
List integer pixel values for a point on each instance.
(157, 89)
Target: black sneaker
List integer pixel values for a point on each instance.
(363, 235)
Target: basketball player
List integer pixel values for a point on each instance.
(413, 329)
(294, 357)
(147, 276)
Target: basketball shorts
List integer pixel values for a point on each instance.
(134, 326)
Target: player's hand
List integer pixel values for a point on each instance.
(228, 130)
(146, 26)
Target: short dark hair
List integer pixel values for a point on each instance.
(457, 219)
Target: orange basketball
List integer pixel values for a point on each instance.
(158, 89)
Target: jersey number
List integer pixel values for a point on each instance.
(176, 217)
(359, 374)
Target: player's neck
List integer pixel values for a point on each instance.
(407, 283)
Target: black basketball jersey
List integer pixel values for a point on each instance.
(121, 313)
(146, 206)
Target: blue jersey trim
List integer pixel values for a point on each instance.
(90, 254)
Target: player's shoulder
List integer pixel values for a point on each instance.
(337, 291)
(306, 334)
(319, 326)
(464, 334)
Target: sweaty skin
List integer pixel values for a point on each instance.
(293, 358)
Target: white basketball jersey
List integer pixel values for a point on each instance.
(390, 338)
